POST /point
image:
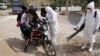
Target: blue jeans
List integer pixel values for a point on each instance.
(25, 30)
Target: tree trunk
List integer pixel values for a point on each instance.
(59, 5)
(67, 6)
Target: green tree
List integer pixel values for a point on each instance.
(24, 2)
(97, 3)
(1, 1)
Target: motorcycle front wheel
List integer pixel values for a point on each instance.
(49, 48)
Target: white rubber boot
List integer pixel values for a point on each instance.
(84, 46)
(90, 47)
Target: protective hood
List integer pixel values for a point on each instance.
(91, 5)
(49, 9)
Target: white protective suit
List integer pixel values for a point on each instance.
(53, 22)
(91, 23)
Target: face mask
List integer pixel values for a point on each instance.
(89, 11)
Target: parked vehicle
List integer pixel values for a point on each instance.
(3, 6)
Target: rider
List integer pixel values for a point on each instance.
(35, 21)
(25, 27)
(20, 15)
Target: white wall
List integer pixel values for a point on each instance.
(72, 8)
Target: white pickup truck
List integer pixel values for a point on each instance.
(3, 6)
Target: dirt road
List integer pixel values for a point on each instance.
(11, 41)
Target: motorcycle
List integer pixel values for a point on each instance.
(40, 38)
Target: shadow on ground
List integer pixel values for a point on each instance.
(18, 46)
(62, 49)
(73, 51)
(96, 46)
(74, 17)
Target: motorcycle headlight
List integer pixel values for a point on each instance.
(46, 32)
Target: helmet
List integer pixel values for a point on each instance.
(32, 7)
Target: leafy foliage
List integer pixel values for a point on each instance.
(1, 1)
